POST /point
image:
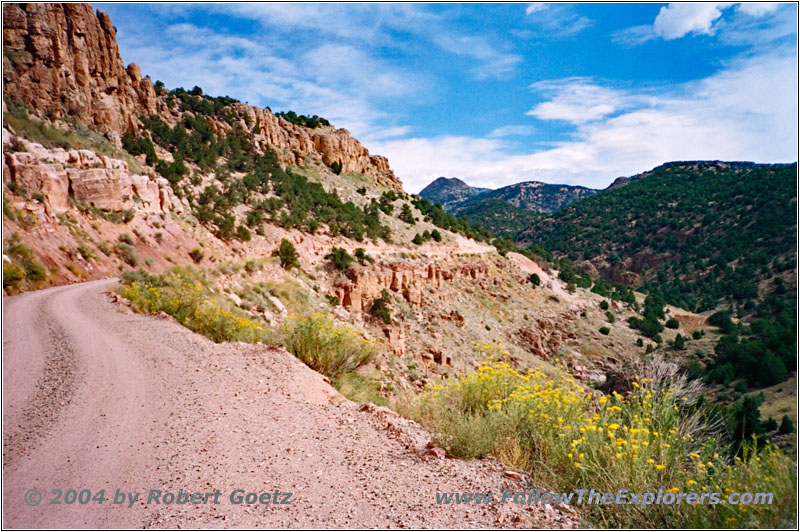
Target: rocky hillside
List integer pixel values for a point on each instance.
(62, 60)
(537, 197)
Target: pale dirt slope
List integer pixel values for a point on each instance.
(96, 397)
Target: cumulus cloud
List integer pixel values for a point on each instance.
(676, 20)
(758, 9)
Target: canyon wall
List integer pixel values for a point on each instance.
(63, 60)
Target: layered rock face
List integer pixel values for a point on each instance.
(299, 146)
(61, 60)
(94, 180)
(362, 287)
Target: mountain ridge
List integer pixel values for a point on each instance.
(454, 194)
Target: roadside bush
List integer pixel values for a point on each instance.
(567, 438)
(127, 253)
(182, 294)
(326, 347)
(12, 275)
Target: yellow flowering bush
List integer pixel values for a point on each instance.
(569, 438)
(181, 294)
(324, 346)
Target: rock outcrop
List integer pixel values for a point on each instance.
(358, 291)
(92, 180)
(63, 60)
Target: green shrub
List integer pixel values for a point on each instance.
(196, 254)
(287, 255)
(12, 275)
(680, 342)
(381, 307)
(127, 253)
(787, 427)
(535, 279)
(605, 330)
(407, 215)
(672, 323)
(340, 258)
(361, 256)
(243, 233)
(604, 305)
(85, 251)
(326, 347)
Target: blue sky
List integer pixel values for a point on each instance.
(497, 93)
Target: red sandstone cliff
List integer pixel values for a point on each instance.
(63, 60)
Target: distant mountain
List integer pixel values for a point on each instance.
(536, 196)
(455, 195)
(451, 193)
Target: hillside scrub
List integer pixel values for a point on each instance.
(23, 270)
(568, 438)
(333, 350)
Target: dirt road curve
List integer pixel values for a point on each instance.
(97, 398)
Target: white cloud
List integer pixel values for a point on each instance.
(511, 131)
(557, 20)
(575, 100)
(534, 7)
(678, 20)
(758, 9)
(746, 112)
(493, 63)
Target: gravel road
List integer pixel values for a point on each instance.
(98, 398)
